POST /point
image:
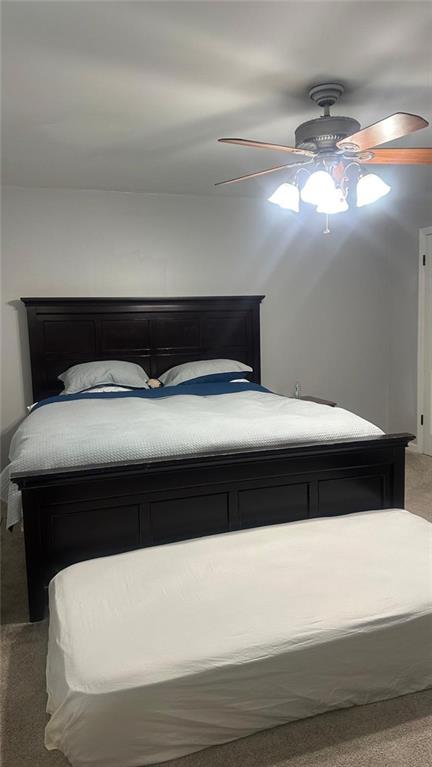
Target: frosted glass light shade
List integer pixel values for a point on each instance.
(286, 196)
(317, 187)
(370, 188)
(333, 203)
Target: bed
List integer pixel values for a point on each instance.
(90, 509)
(155, 654)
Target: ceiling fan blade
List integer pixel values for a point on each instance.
(265, 145)
(393, 127)
(261, 173)
(414, 156)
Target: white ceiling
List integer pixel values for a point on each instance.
(133, 95)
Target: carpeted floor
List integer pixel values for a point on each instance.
(395, 733)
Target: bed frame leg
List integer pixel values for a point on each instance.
(399, 479)
(34, 558)
(36, 602)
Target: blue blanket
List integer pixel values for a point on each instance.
(200, 390)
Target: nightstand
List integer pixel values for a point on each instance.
(319, 401)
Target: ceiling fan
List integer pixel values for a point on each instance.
(336, 149)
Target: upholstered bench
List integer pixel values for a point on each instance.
(160, 652)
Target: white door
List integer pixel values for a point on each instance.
(425, 343)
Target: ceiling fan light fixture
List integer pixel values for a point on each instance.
(334, 203)
(318, 187)
(327, 148)
(287, 196)
(370, 188)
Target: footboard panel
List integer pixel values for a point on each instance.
(73, 515)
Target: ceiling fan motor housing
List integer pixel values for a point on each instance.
(322, 133)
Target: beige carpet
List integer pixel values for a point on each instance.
(395, 733)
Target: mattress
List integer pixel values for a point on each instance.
(105, 430)
(161, 652)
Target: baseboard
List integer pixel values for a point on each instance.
(413, 447)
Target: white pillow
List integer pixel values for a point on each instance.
(190, 370)
(89, 374)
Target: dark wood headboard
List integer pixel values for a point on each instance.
(157, 333)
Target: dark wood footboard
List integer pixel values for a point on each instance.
(75, 514)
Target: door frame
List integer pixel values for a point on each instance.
(423, 234)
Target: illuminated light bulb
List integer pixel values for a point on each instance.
(370, 188)
(334, 203)
(286, 196)
(317, 187)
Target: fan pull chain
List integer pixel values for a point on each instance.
(326, 230)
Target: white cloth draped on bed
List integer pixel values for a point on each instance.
(157, 653)
(82, 432)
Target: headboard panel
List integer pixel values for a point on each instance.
(157, 333)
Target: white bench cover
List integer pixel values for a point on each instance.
(160, 652)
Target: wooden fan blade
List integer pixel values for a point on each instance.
(395, 126)
(265, 145)
(259, 173)
(414, 156)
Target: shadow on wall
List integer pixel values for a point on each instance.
(23, 368)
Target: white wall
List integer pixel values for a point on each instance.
(340, 313)
(401, 233)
